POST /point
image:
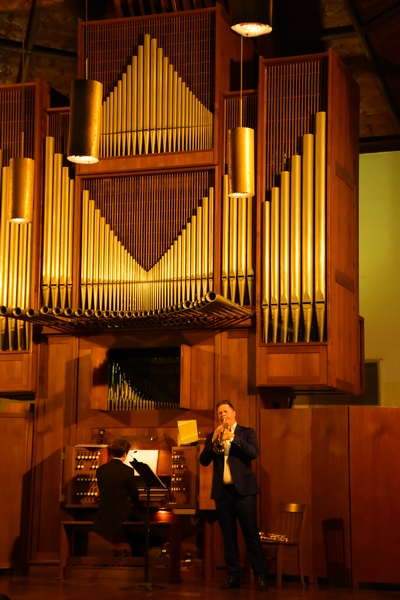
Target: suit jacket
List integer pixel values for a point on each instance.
(244, 449)
(118, 490)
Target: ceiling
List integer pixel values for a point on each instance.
(364, 33)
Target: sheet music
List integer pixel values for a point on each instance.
(150, 457)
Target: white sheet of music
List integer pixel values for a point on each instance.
(150, 457)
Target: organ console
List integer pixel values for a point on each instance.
(181, 477)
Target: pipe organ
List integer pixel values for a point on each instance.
(165, 224)
(304, 199)
(145, 251)
(18, 106)
(151, 109)
(128, 243)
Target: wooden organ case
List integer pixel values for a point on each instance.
(148, 237)
(308, 327)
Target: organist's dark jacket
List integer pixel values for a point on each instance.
(118, 492)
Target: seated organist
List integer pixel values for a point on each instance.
(118, 494)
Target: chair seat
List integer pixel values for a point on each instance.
(279, 543)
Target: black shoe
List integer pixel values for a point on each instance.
(262, 583)
(230, 584)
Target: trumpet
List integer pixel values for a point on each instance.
(219, 444)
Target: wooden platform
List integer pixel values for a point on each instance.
(115, 557)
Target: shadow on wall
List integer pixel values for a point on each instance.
(337, 571)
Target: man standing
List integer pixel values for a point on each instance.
(231, 448)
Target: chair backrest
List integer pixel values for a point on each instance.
(290, 521)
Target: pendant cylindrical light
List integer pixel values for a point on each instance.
(241, 162)
(251, 18)
(241, 151)
(85, 121)
(20, 203)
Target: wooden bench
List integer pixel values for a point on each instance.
(67, 543)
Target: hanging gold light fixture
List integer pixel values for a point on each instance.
(241, 151)
(85, 116)
(241, 162)
(22, 171)
(85, 121)
(20, 199)
(251, 18)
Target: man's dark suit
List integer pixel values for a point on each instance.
(118, 491)
(237, 501)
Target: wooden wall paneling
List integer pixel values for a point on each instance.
(15, 490)
(285, 457)
(330, 494)
(205, 482)
(91, 389)
(186, 375)
(208, 560)
(220, 367)
(96, 372)
(342, 228)
(375, 493)
(90, 422)
(17, 372)
(202, 375)
(237, 390)
(54, 427)
(292, 365)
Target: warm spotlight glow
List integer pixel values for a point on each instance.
(252, 29)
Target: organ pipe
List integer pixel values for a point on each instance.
(225, 237)
(307, 247)
(266, 265)
(47, 216)
(284, 253)
(15, 271)
(233, 247)
(241, 242)
(295, 244)
(320, 221)
(275, 272)
(4, 253)
(249, 251)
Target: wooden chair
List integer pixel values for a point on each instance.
(287, 539)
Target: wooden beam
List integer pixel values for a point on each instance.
(30, 36)
(373, 55)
